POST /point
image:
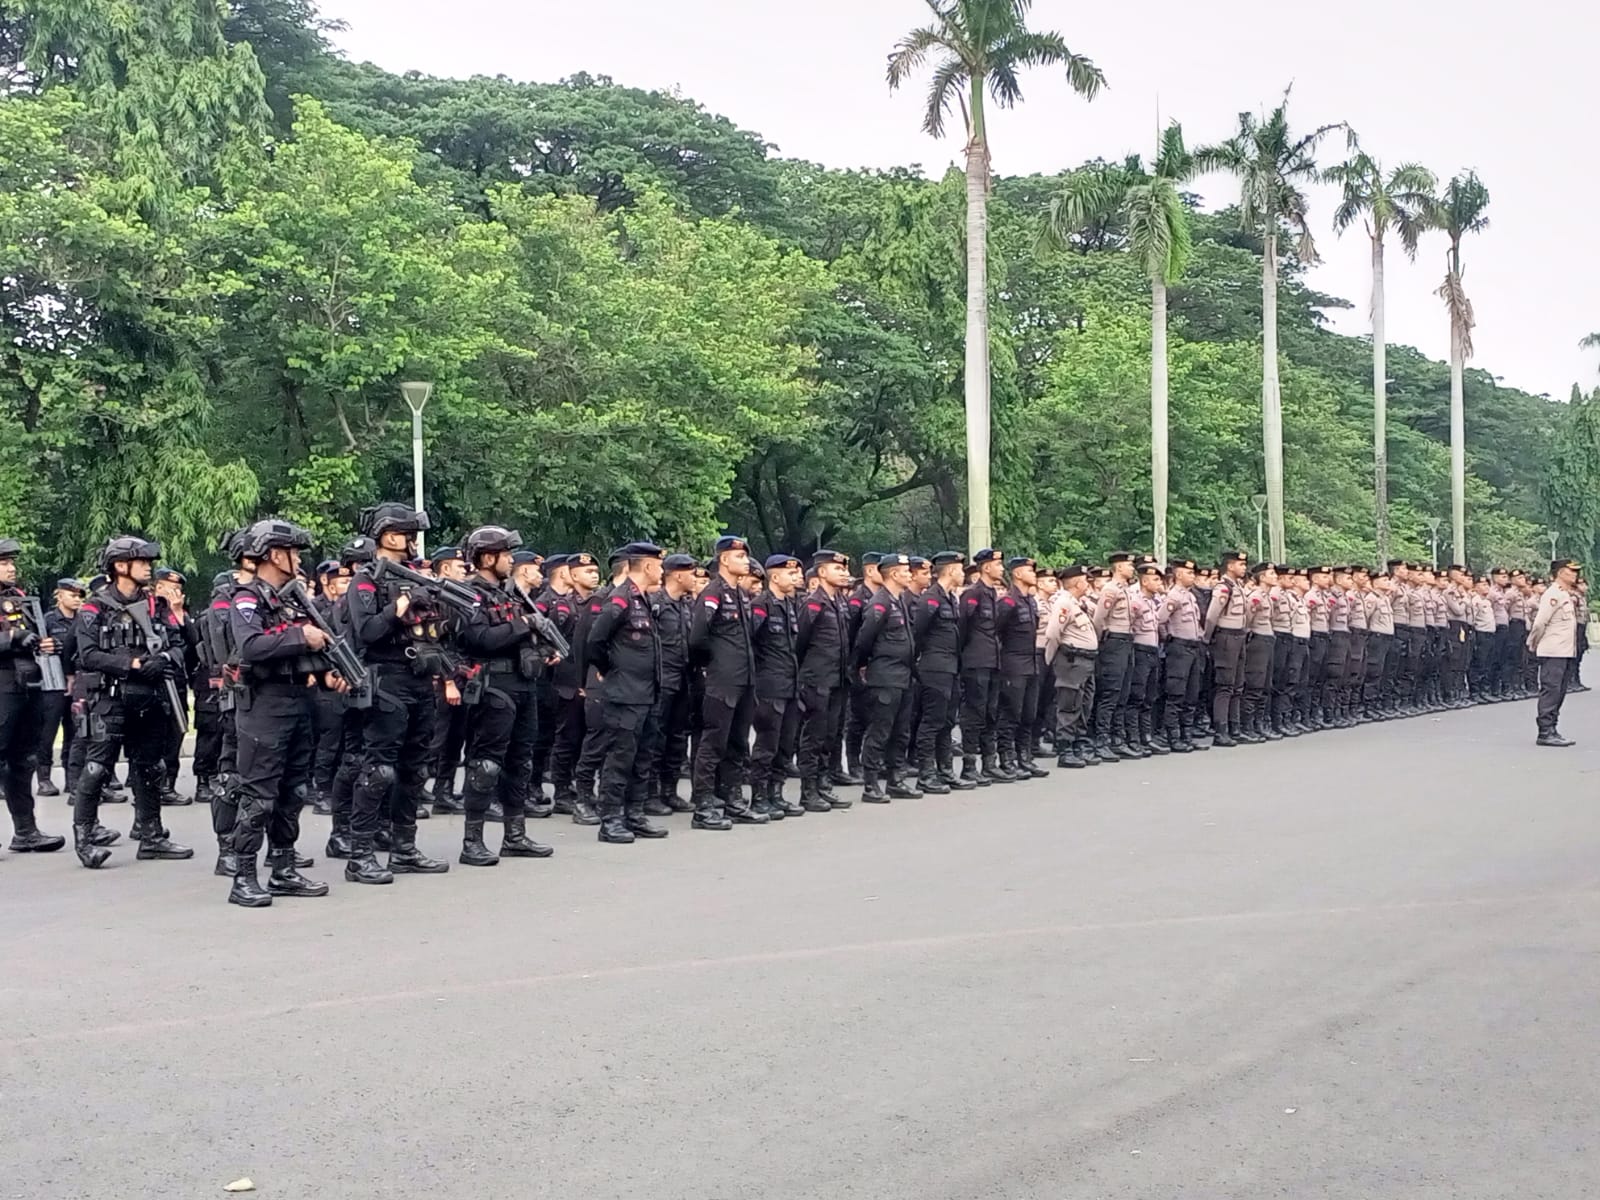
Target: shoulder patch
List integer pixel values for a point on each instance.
(814, 606)
(711, 602)
(933, 602)
(879, 608)
(245, 601)
(1008, 600)
(972, 600)
(89, 606)
(855, 601)
(760, 612)
(364, 585)
(619, 602)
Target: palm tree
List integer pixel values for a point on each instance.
(980, 46)
(1458, 212)
(1272, 166)
(1589, 342)
(1399, 200)
(1150, 206)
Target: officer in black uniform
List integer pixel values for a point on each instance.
(332, 581)
(208, 686)
(720, 639)
(450, 726)
(21, 710)
(883, 656)
(281, 666)
(402, 634)
(672, 610)
(223, 655)
(169, 585)
(625, 651)
(1016, 623)
(501, 640)
(570, 612)
(56, 707)
(127, 702)
(980, 666)
(936, 628)
(596, 736)
(353, 713)
(822, 652)
(858, 706)
(776, 620)
(553, 600)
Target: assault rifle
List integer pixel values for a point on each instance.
(55, 676)
(157, 646)
(544, 629)
(451, 592)
(338, 651)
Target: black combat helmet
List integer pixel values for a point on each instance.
(10, 548)
(392, 517)
(489, 539)
(128, 548)
(357, 550)
(271, 534)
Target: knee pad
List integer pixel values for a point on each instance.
(253, 811)
(94, 773)
(302, 793)
(380, 777)
(483, 774)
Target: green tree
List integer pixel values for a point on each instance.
(1398, 200)
(981, 46)
(1272, 166)
(1150, 205)
(1459, 211)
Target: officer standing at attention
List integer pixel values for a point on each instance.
(499, 637)
(625, 650)
(980, 666)
(1016, 621)
(1553, 637)
(1185, 662)
(1071, 646)
(672, 609)
(124, 674)
(822, 651)
(720, 638)
(402, 638)
(1224, 631)
(857, 707)
(936, 631)
(21, 705)
(1113, 621)
(776, 619)
(281, 664)
(883, 656)
(1260, 644)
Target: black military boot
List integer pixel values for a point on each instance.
(406, 859)
(708, 815)
(971, 773)
(641, 826)
(473, 852)
(740, 812)
(28, 840)
(674, 800)
(1150, 737)
(614, 829)
(811, 799)
(495, 814)
(994, 770)
(340, 842)
(761, 800)
(90, 855)
(781, 804)
(777, 810)
(1032, 770)
(157, 843)
(517, 844)
(540, 805)
(655, 806)
(363, 865)
(584, 812)
(947, 771)
(899, 789)
(931, 781)
(247, 891)
(445, 803)
(848, 778)
(44, 787)
(227, 865)
(321, 803)
(286, 880)
(172, 798)
(871, 789)
(1068, 756)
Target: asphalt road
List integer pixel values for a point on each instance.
(1357, 965)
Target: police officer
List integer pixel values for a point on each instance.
(858, 710)
(1016, 623)
(1183, 669)
(499, 638)
(21, 708)
(169, 585)
(1260, 644)
(935, 629)
(775, 620)
(281, 665)
(1071, 647)
(569, 610)
(1113, 665)
(667, 733)
(1553, 638)
(1146, 603)
(883, 656)
(720, 639)
(402, 634)
(56, 707)
(625, 651)
(980, 668)
(352, 723)
(450, 727)
(1224, 632)
(125, 661)
(821, 651)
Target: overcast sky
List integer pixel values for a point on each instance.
(1507, 89)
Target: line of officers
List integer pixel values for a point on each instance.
(537, 670)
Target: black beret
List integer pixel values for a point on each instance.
(446, 554)
(728, 542)
(781, 562)
(1021, 560)
(521, 558)
(1148, 568)
(1260, 567)
(640, 550)
(1121, 556)
(1229, 556)
(987, 554)
(823, 557)
(69, 584)
(871, 558)
(757, 571)
(581, 560)
(893, 560)
(328, 566)
(164, 573)
(945, 557)
(554, 561)
(1072, 572)
(918, 563)
(1322, 569)
(679, 562)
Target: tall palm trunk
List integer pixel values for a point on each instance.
(977, 356)
(1380, 404)
(1158, 412)
(1458, 442)
(1271, 395)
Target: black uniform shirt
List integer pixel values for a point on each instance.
(1016, 621)
(777, 667)
(935, 625)
(720, 637)
(624, 647)
(980, 646)
(820, 641)
(884, 645)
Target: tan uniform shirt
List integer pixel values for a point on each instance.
(1299, 615)
(1554, 633)
(1180, 616)
(1067, 623)
(1380, 613)
(1112, 614)
(1227, 606)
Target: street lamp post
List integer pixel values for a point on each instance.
(416, 396)
(1552, 535)
(1433, 532)
(1260, 503)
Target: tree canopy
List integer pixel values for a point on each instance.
(222, 247)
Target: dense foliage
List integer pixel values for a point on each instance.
(222, 247)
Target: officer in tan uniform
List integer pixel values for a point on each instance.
(1071, 646)
(1224, 631)
(1553, 638)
